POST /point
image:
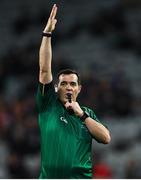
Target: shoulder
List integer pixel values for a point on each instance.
(93, 115)
(44, 88)
(90, 112)
(45, 97)
(87, 109)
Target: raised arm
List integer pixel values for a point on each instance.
(45, 53)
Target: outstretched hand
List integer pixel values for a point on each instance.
(50, 26)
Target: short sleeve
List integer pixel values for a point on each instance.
(45, 96)
(94, 117)
(91, 113)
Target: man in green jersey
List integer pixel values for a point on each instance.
(67, 128)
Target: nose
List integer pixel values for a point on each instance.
(68, 87)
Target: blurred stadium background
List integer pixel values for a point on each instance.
(99, 38)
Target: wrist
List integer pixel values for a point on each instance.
(46, 34)
(81, 114)
(84, 116)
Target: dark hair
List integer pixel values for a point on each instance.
(69, 71)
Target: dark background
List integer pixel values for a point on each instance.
(100, 39)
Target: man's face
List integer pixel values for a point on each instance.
(68, 83)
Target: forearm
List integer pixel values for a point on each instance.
(45, 58)
(45, 53)
(98, 131)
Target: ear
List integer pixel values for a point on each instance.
(56, 88)
(79, 89)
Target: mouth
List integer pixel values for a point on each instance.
(68, 93)
(68, 96)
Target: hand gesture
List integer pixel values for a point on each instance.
(50, 26)
(75, 107)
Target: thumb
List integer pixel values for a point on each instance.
(54, 23)
(68, 105)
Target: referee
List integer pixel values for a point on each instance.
(66, 127)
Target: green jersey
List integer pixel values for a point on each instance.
(65, 139)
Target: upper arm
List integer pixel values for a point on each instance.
(45, 77)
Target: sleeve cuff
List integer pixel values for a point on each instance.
(44, 88)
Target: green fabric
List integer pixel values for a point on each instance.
(65, 140)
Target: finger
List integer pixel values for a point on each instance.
(53, 11)
(55, 21)
(67, 105)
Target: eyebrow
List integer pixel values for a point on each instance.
(68, 82)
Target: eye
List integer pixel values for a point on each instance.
(63, 84)
(73, 84)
